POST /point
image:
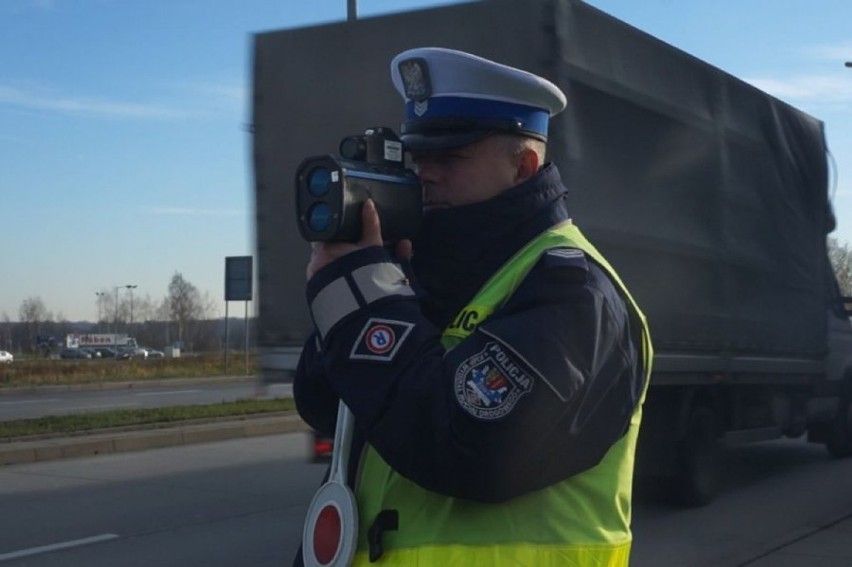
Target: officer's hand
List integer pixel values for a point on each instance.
(324, 253)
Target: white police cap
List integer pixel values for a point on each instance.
(453, 98)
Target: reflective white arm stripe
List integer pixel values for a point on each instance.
(375, 281)
(334, 302)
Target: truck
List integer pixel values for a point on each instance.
(709, 196)
(113, 340)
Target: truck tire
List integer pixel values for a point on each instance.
(839, 442)
(697, 480)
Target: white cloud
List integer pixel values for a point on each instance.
(39, 100)
(841, 51)
(825, 88)
(213, 96)
(831, 85)
(188, 99)
(192, 212)
(227, 92)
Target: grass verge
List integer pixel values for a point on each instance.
(42, 372)
(80, 423)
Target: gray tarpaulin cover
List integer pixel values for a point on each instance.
(707, 195)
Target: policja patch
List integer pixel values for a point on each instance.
(380, 339)
(490, 383)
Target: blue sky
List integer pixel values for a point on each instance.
(123, 151)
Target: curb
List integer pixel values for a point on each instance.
(120, 442)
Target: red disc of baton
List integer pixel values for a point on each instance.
(331, 529)
(327, 534)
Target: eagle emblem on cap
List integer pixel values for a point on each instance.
(415, 76)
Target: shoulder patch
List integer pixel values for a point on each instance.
(489, 384)
(567, 257)
(380, 339)
(571, 264)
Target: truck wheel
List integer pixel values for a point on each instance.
(839, 442)
(698, 460)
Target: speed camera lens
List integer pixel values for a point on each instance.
(319, 217)
(319, 182)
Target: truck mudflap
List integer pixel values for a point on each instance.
(839, 442)
(822, 409)
(699, 463)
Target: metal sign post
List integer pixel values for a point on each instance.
(227, 336)
(238, 285)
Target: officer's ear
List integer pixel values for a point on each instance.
(528, 165)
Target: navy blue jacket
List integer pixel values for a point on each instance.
(537, 393)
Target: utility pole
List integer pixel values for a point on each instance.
(100, 302)
(131, 287)
(115, 320)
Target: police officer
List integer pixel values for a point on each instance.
(495, 366)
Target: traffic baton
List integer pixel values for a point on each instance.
(330, 536)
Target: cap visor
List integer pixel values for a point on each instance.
(422, 142)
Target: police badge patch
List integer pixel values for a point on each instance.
(380, 339)
(414, 73)
(490, 383)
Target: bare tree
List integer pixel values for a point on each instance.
(162, 313)
(208, 305)
(840, 255)
(207, 335)
(109, 309)
(149, 320)
(144, 308)
(186, 305)
(33, 314)
(7, 331)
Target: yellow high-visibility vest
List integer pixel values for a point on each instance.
(583, 520)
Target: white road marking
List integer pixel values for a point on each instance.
(167, 393)
(56, 546)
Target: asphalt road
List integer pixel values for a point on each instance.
(217, 504)
(774, 494)
(243, 502)
(53, 401)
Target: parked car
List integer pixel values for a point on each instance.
(105, 352)
(132, 352)
(74, 353)
(92, 352)
(6, 356)
(154, 353)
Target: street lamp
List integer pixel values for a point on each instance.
(115, 316)
(131, 287)
(100, 300)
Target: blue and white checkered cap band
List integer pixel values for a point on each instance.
(475, 112)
